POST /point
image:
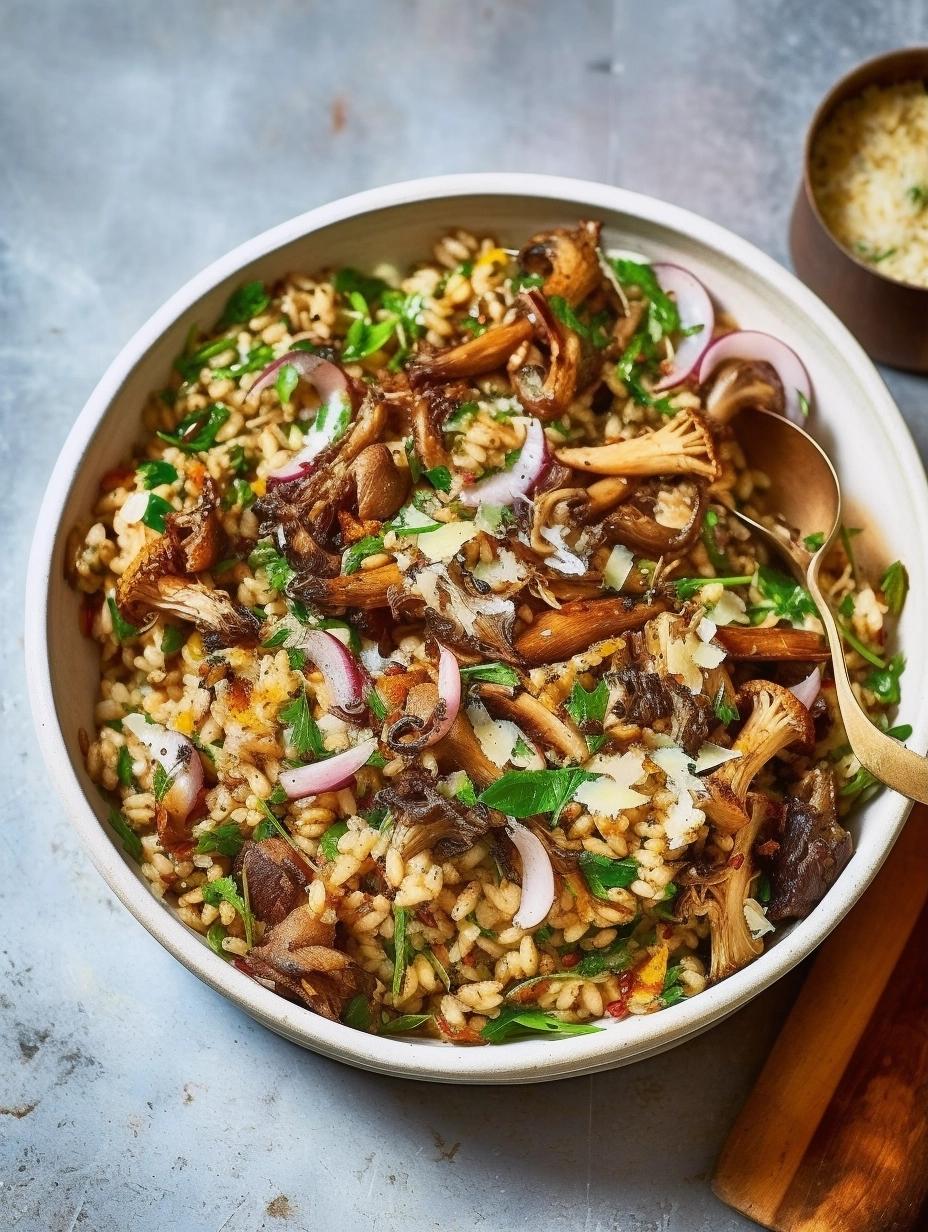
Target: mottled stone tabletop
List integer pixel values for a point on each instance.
(138, 141)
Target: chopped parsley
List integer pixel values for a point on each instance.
(172, 639)
(226, 840)
(686, 588)
(328, 844)
(265, 556)
(725, 711)
(525, 793)
(815, 541)
(123, 630)
(602, 874)
(248, 301)
(592, 330)
(405, 1022)
(883, 682)
(370, 545)
(124, 768)
(491, 673)
(348, 281)
(161, 782)
(197, 431)
(287, 380)
(156, 511)
(215, 935)
(782, 595)
(154, 474)
(895, 586)
(223, 889)
(588, 706)
(717, 557)
(365, 337)
(400, 948)
(131, 842)
(305, 735)
(357, 1013)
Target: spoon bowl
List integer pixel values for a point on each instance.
(805, 489)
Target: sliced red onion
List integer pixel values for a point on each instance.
(528, 468)
(345, 681)
(808, 690)
(449, 693)
(333, 417)
(537, 876)
(178, 758)
(328, 775)
(752, 344)
(695, 309)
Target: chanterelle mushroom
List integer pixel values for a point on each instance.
(476, 357)
(772, 644)
(548, 394)
(777, 719)
(683, 446)
(720, 895)
(566, 259)
(740, 385)
(556, 635)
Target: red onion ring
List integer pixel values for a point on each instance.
(528, 468)
(330, 383)
(345, 681)
(327, 775)
(179, 759)
(537, 876)
(449, 694)
(806, 691)
(695, 308)
(752, 344)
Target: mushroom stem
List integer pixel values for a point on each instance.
(684, 446)
(476, 357)
(540, 723)
(771, 645)
(556, 635)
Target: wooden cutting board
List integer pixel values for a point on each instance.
(834, 1136)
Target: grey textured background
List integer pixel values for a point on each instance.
(138, 141)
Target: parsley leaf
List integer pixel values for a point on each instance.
(328, 844)
(227, 840)
(156, 511)
(154, 474)
(400, 948)
(123, 630)
(602, 874)
(686, 588)
(287, 380)
(814, 542)
(364, 337)
(215, 935)
(305, 735)
(895, 586)
(370, 545)
(172, 639)
(491, 673)
(717, 557)
(783, 595)
(884, 682)
(524, 793)
(405, 1022)
(224, 889)
(161, 782)
(514, 1022)
(660, 305)
(265, 556)
(439, 477)
(197, 431)
(348, 281)
(584, 706)
(725, 711)
(131, 842)
(246, 302)
(124, 767)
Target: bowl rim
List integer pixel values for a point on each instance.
(530, 1060)
(847, 86)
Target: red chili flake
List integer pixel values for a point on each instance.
(570, 960)
(736, 860)
(768, 848)
(666, 931)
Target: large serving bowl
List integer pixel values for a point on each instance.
(854, 417)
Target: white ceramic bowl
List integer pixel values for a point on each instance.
(854, 417)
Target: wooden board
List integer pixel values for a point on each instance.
(834, 1136)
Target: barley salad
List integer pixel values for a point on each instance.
(441, 691)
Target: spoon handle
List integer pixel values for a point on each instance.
(887, 760)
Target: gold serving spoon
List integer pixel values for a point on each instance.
(805, 490)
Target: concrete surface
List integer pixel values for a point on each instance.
(137, 142)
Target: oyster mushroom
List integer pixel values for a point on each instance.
(425, 819)
(368, 588)
(770, 645)
(300, 960)
(742, 384)
(562, 507)
(536, 719)
(720, 895)
(548, 394)
(605, 494)
(476, 357)
(212, 611)
(777, 719)
(567, 260)
(556, 635)
(277, 876)
(428, 411)
(636, 529)
(380, 485)
(812, 848)
(683, 446)
(461, 750)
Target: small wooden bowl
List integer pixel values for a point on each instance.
(889, 318)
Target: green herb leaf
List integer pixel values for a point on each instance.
(223, 889)
(370, 545)
(514, 1022)
(585, 707)
(154, 474)
(256, 360)
(172, 639)
(784, 595)
(848, 533)
(405, 1022)
(815, 541)
(131, 842)
(227, 840)
(279, 637)
(400, 948)
(918, 195)
(305, 735)
(522, 282)
(686, 588)
(265, 556)
(364, 337)
(161, 782)
(717, 557)
(377, 705)
(491, 673)
(615, 957)
(725, 711)
(635, 274)
(884, 682)
(287, 380)
(215, 935)
(124, 767)
(197, 431)
(861, 647)
(328, 844)
(602, 874)
(155, 512)
(592, 330)
(439, 477)
(123, 630)
(873, 255)
(895, 586)
(357, 1013)
(350, 281)
(248, 301)
(462, 418)
(524, 793)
